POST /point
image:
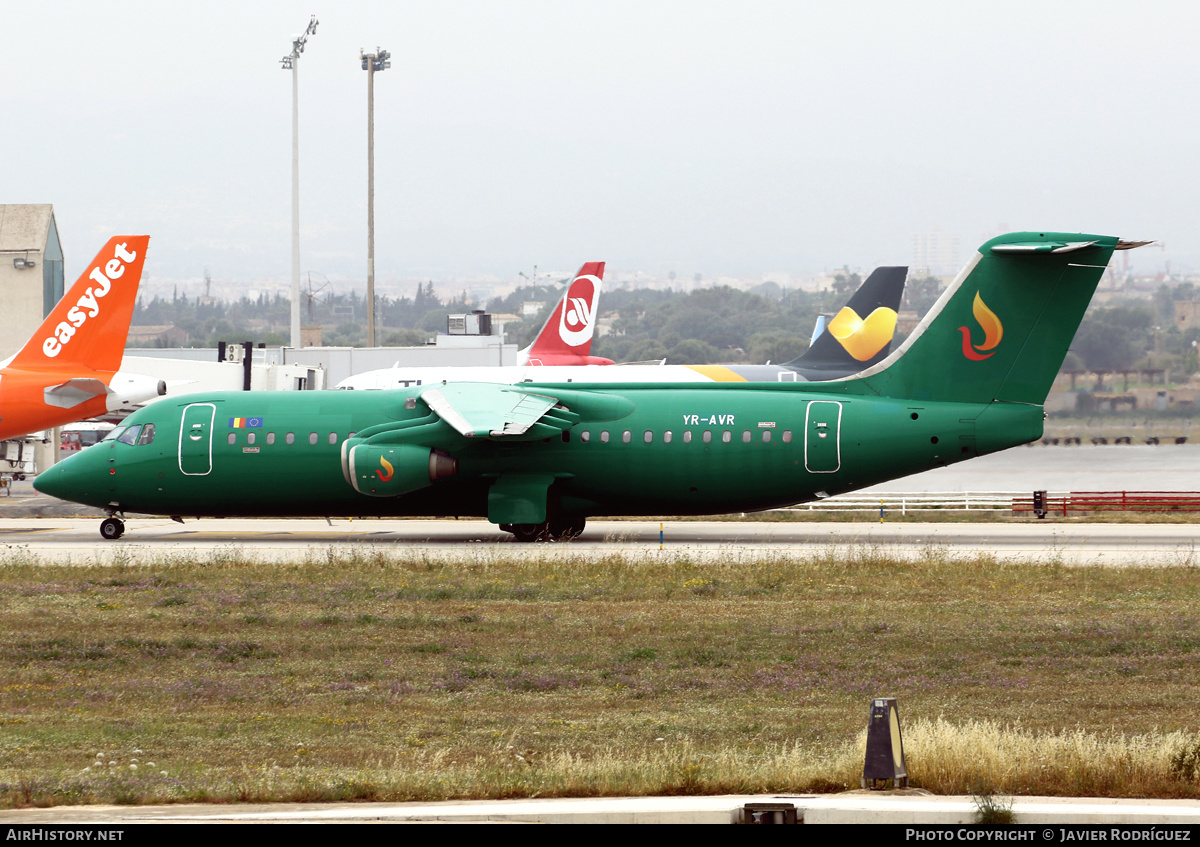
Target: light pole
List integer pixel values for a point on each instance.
(380, 60)
(290, 63)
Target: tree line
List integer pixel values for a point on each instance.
(706, 326)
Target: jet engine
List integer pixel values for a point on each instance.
(390, 470)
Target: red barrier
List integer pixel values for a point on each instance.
(1113, 501)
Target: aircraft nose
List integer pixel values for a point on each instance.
(67, 480)
(50, 481)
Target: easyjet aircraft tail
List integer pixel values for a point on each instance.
(86, 331)
(566, 337)
(69, 369)
(1000, 332)
(860, 335)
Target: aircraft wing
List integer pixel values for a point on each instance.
(480, 410)
(492, 410)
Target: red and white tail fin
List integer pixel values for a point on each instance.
(566, 338)
(88, 327)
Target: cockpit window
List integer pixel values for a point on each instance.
(147, 435)
(114, 434)
(129, 436)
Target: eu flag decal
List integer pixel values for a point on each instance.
(244, 423)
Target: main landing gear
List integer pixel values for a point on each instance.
(558, 529)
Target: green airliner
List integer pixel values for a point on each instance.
(539, 459)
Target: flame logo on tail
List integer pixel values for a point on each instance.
(993, 332)
(387, 466)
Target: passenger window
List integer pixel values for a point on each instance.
(727, 436)
(147, 435)
(251, 437)
(270, 438)
(787, 436)
(766, 436)
(707, 436)
(604, 437)
(333, 438)
(130, 435)
(566, 436)
(745, 436)
(687, 437)
(232, 439)
(667, 437)
(312, 438)
(648, 436)
(627, 436)
(585, 437)
(290, 438)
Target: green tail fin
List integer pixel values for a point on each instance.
(1001, 330)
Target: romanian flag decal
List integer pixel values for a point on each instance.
(244, 423)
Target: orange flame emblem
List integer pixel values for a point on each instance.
(993, 332)
(386, 466)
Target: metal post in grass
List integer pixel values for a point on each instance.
(885, 747)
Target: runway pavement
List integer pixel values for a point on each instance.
(856, 807)
(78, 541)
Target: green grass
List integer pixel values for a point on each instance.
(386, 675)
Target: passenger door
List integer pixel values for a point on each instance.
(195, 439)
(822, 437)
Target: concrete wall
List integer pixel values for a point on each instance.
(24, 229)
(342, 362)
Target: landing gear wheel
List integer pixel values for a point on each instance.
(526, 532)
(112, 528)
(567, 528)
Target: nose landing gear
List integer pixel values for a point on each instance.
(112, 528)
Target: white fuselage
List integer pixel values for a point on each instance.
(406, 377)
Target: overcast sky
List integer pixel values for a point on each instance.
(736, 138)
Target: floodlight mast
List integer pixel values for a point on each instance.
(380, 60)
(291, 63)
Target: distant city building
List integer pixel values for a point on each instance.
(1187, 314)
(936, 252)
(164, 335)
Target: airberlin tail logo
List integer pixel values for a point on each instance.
(577, 318)
(993, 332)
(387, 466)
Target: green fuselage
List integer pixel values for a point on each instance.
(767, 445)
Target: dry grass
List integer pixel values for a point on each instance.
(385, 675)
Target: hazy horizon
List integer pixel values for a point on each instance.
(697, 137)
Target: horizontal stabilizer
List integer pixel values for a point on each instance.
(67, 395)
